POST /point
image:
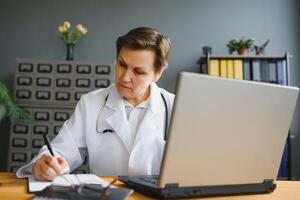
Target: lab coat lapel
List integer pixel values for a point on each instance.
(118, 119)
(149, 143)
(148, 127)
(154, 117)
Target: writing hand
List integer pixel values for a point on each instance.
(47, 167)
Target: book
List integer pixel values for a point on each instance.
(272, 72)
(256, 70)
(281, 72)
(264, 71)
(203, 68)
(230, 69)
(223, 68)
(214, 67)
(247, 70)
(238, 69)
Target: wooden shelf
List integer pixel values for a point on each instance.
(203, 58)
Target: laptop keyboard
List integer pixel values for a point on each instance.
(152, 180)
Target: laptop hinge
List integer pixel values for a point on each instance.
(268, 181)
(172, 185)
(269, 184)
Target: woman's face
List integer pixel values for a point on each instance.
(134, 73)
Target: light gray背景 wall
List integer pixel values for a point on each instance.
(29, 30)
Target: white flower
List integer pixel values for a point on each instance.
(78, 27)
(65, 29)
(81, 29)
(61, 29)
(67, 24)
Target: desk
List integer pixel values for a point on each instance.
(12, 188)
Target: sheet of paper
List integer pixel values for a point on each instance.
(77, 179)
(35, 186)
(66, 180)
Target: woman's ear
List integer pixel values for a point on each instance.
(158, 74)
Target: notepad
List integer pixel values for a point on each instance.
(66, 180)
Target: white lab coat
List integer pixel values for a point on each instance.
(115, 153)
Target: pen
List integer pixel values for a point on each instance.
(48, 144)
(104, 192)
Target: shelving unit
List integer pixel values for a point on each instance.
(205, 62)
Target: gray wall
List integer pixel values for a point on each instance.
(29, 30)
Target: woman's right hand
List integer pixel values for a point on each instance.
(47, 167)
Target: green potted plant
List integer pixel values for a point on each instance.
(242, 46)
(9, 108)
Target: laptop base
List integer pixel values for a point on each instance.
(173, 191)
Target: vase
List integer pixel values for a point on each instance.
(70, 51)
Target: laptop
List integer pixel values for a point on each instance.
(226, 137)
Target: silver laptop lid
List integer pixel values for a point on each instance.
(225, 131)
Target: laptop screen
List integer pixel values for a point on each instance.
(225, 131)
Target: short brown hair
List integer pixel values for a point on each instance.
(147, 38)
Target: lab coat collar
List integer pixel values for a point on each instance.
(114, 98)
(156, 104)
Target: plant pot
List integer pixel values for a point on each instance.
(243, 51)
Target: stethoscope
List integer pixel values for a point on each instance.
(111, 131)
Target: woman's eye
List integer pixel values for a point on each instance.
(139, 72)
(122, 64)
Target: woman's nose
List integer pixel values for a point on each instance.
(127, 75)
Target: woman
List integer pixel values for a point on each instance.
(121, 128)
